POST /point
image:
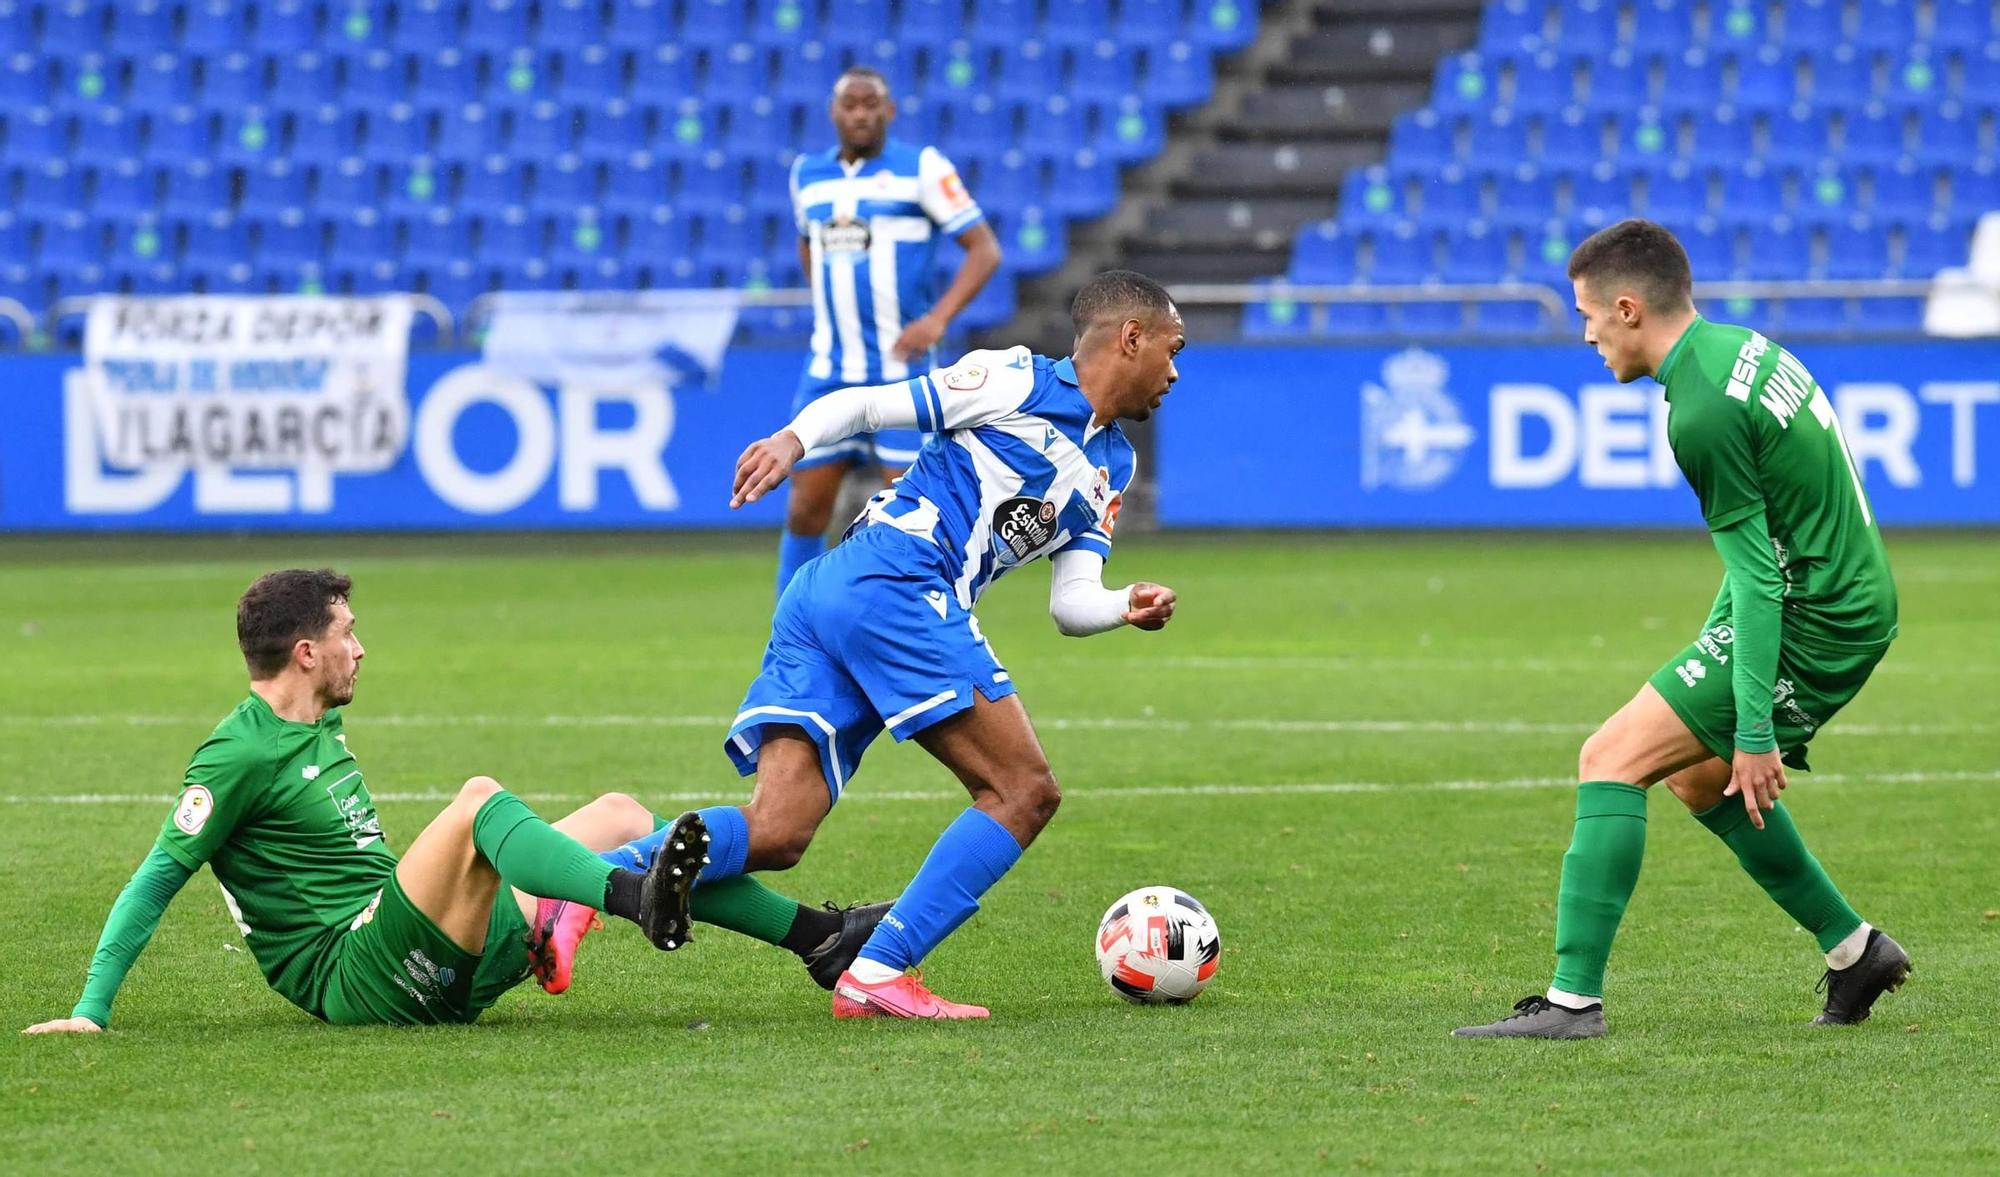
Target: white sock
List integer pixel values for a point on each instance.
(872, 972)
(1848, 951)
(1572, 1001)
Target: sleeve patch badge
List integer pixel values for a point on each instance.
(966, 379)
(955, 196)
(192, 813)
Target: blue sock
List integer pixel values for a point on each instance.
(728, 845)
(793, 553)
(969, 857)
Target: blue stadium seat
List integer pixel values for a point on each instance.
(520, 77)
(760, 122)
(728, 239)
(231, 80)
(1497, 137)
(656, 235)
(1975, 187)
(858, 24)
(1799, 135)
(1662, 26)
(22, 284)
(194, 187)
(1572, 139)
(1711, 248)
(1814, 316)
(771, 188)
(687, 130)
(1904, 190)
(250, 135)
(715, 22)
(373, 80)
(161, 81)
(662, 76)
(467, 134)
(612, 129)
(1812, 24)
(141, 239)
(1918, 77)
(1872, 134)
(1826, 193)
(289, 240)
(957, 70)
(1544, 83)
(1149, 23)
(1222, 25)
(1401, 254)
(1884, 24)
(1676, 194)
(347, 184)
(398, 132)
(1602, 192)
(1431, 318)
(1027, 72)
(70, 239)
(1766, 79)
(1324, 254)
(26, 79)
(1587, 26)
(1011, 181)
(980, 126)
(1054, 125)
(569, 24)
(1082, 184)
(178, 133)
(809, 73)
(272, 186)
(217, 238)
(1130, 130)
(564, 183)
(1856, 247)
(437, 237)
(87, 82)
(495, 183)
(104, 134)
(1447, 196)
(738, 71)
(637, 26)
(1751, 190)
(1947, 133)
(1618, 81)
(605, 273)
(1840, 77)
(497, 26)
(1523, 195)
(456, 284)
(1079, 23)
(50, 188)
(1475, 252)
(931, 24)
(1737, 26)
(326, 133)
(1178, 75)
(1466, 84)
(1421, 139)
(1369, 198)
(1693, 81)
(1647, 138)
(302, 81)
(417, 185)
(125, 187)
(781, 23)
(362, 236)
(711, 184)
(72, 26)
(1508, 26)
(1781, 250)
(1961, 24)
(17, 31)
(1509, 318)
(1932, 244)
(1103, 71)
(525, 272)
(916, 119)
(356, 26)
(1981, 84)
(888, 58)
(1721, 134)
(1355, 320)
(1276, 315)
(34, 134)
(286, 26)
(544, 129)
(445, 77)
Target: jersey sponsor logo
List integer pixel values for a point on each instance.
(845, 235)
(1412, 432)
(1110, 521)
(1021, 526)
(1783, 698)
(956, 198)
(969, 378)
(357, 811)
(1713, 639)
(192, 813)
(1692, 671)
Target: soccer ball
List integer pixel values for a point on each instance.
(1158, 946)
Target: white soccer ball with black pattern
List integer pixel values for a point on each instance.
(1158, 946)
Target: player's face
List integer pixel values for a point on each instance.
(337, 654)
(1157, 372)
(861, 112)
(1608, 326)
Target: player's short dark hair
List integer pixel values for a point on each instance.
(1639, 255)
(1123, 294)
(279, 608)
(864, 71)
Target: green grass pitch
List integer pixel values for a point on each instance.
(1356, 751)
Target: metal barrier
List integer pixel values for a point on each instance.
(426, 305)
(17, 312)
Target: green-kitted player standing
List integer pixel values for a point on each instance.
(1807, 608)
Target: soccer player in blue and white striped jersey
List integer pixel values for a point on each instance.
(870, 212)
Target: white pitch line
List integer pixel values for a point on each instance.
(1300, 788)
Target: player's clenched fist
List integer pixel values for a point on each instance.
(65, 1026)
(1151, 605)
(764, 465)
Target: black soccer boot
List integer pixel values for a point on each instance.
(663, 901)
(831, 958)
(1538, 1017)
(1851, 992)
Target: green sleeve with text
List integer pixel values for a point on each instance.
(128, 929)
(1756, 589)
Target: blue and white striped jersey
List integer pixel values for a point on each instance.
(1016, 469)
(871, 228)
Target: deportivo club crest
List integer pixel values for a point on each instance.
(1412, 434)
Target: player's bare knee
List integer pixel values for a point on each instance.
(779, 849)
(624, 807)
(475, 792)
(1599, 759)
(1034, 797)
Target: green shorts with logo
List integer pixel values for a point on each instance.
(395, 968)
(1810, 688)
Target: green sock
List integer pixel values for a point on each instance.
(1598, 875)
(743, 905)
(534, 856)
(1779, 861)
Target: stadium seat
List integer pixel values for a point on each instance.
(930, 24)
(125, 187)
(1981, 77)
(456, 283)
(1601, 192)
(231, 80)
(1751, 189)
(1103, 71)
(137, 27)
(569, 24)
(398, 132)
(285, 26)
(638, 26)
(1178, 75)
(1711, 248)
(526, 272)
(1401, 254)
(1130, 130)
(1276, 315)
(1780, 249)
(1360, 319)
(1223, 25)
(1975, 188)
(1149, 23)
(301, 81)
(611, 129)
(858, 24)
(781, 23)
(1421, 139)
(1856, 248)
(1474, 252)
(1324, 254)
(1676, 194)
(1572, 139)
(34, 134)
(1884, 24)
(1523, 195)
(1448, 196)
(1932, 244)
(1011, 181)
(217, 238)
(1466, 84)
(140, 240)
(1721, 134)
(1902, 190)
(70, 240)
(104, 134)
(1826, 193)
(1693, 82)
(714, 22)
(1841, 77)
(727, 239)
(662, 76)
(440, 235)
(1369, 198)
(980, 126)
(809, 73)
(1737, 26)
(419, 184)
(356, 26)
(1618, 82)
(738, 71)
(1647, 139)
(563, 184)
(544, 130)
(1077, 24)
(494, 183)
(374, 79)
(87, 82)
(1661, 26)
(273, 185)
(467, 134)
(496, 26)
(1497, 137)
(26, 79)
(1766, 79)
(1509, 319)
(1947, 134)
(1508, 26)
(1587, 26)
(710, 184)
(656, 235)
(160, 82)
(1961, 24)
(1543, 83)
(1798, 136)
(1872, 134)
(1054, 125)
(1812, 24)
(1027, 72)
(1082, 184)
(444, 78)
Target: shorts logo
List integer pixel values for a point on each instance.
(367, 913)
(1692, 671)
(967, 379)
(1021, 526)
(193, 811)
(310, 772)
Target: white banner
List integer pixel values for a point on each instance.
(646, 337)
(247, 382)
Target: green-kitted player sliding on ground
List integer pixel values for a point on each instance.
(1807, 609)
(349, 932)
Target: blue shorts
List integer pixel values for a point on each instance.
(891, 449)
(867, 637)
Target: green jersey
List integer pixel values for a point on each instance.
(281, 813)
(1753, 431)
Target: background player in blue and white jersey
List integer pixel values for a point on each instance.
(1026, 460)
(870, 212)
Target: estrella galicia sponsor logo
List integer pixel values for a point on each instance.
(1021, 526)
(1713, 639)
(1413, 435)
(1692, 671)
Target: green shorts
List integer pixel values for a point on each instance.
(394, 967)
(1811, 686)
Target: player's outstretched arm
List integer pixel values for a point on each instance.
(1082, 606)
(1152, 606)
(833, 417)
(127, 931)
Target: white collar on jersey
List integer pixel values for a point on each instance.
(1065, 370)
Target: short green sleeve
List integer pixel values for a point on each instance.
(1712, 443)
(222, 784)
